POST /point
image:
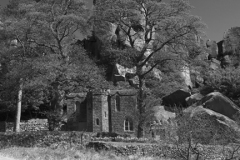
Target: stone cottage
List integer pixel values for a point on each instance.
(102, 111)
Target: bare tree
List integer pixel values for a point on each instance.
(154, 33)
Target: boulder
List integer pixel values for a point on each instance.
(161, 121)
(160, 115)
(194, 98)
(176, 99)
(219, 103)
(213, 118)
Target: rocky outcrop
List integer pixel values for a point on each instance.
(219, 103)
(229, 47)
(213, 48)
(121, 73)
(186, 75)
(176, 99)
(216, 120)
(231, 40)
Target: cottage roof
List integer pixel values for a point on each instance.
(123, 92)
(74, 95)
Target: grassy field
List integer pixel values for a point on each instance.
(64, 154)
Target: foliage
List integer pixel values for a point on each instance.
(201, 136)
(225, 81)
(83, 154)
(44, 57)
(149, 33)
(51, 139)
(170, 82)
(231, 41)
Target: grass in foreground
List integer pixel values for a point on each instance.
(65, 154)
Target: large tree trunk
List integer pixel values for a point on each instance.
(19, 106)
(56, 112)
(141, 108)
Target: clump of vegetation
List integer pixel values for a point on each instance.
(225, 81)
(202, 137)
(72, 154)
(52, 139)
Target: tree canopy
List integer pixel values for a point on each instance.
(42, 62)
(45, 60)
(149, 34)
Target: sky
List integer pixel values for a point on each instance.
(219, 15)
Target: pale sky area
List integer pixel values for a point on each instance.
(219, 15)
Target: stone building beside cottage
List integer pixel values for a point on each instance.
(102, 111)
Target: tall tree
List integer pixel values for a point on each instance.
(15, 55)
(59, 66)
(151, 32)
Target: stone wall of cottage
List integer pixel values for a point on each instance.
(73, 117)
(128, 108)
(90, 113)
(30, 125)
(105, 113)
(100, 113)
(97, 112)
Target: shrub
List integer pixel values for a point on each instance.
(199, 137)
(45, 139)
(106, 134)
(225, 81)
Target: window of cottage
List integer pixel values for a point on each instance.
(117, 104)
(105, 114)
(128, 124)
(97, 121)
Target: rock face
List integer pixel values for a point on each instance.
(121, 73)
(229, 47)
(219, 103)
(213, 47)
(176, 99)
(216, 119)
(186, 75)
(231, 41)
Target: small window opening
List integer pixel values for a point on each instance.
(118, 103)
(105, 113)
(97, 121)
(128, 124)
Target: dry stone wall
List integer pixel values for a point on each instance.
(30, 125)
